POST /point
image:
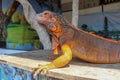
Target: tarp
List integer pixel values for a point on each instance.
(95, 21)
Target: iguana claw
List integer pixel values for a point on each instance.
(43, 69)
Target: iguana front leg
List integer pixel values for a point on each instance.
(55, 52)
(61, 61)
(55, 48)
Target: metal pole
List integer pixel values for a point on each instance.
(75, 12)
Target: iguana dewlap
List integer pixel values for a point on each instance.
(71, 40)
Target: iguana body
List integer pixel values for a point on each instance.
(71, 40)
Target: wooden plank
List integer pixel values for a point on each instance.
(76, 70)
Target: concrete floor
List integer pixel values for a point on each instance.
(75, 70)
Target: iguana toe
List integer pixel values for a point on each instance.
(43, 69)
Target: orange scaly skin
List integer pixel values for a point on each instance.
(71, 40)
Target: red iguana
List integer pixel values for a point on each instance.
(71, 40)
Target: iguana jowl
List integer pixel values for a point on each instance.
(71, 40)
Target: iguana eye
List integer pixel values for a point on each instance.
(46, 13)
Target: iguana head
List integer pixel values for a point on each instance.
(56, 25)
(50, 21)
